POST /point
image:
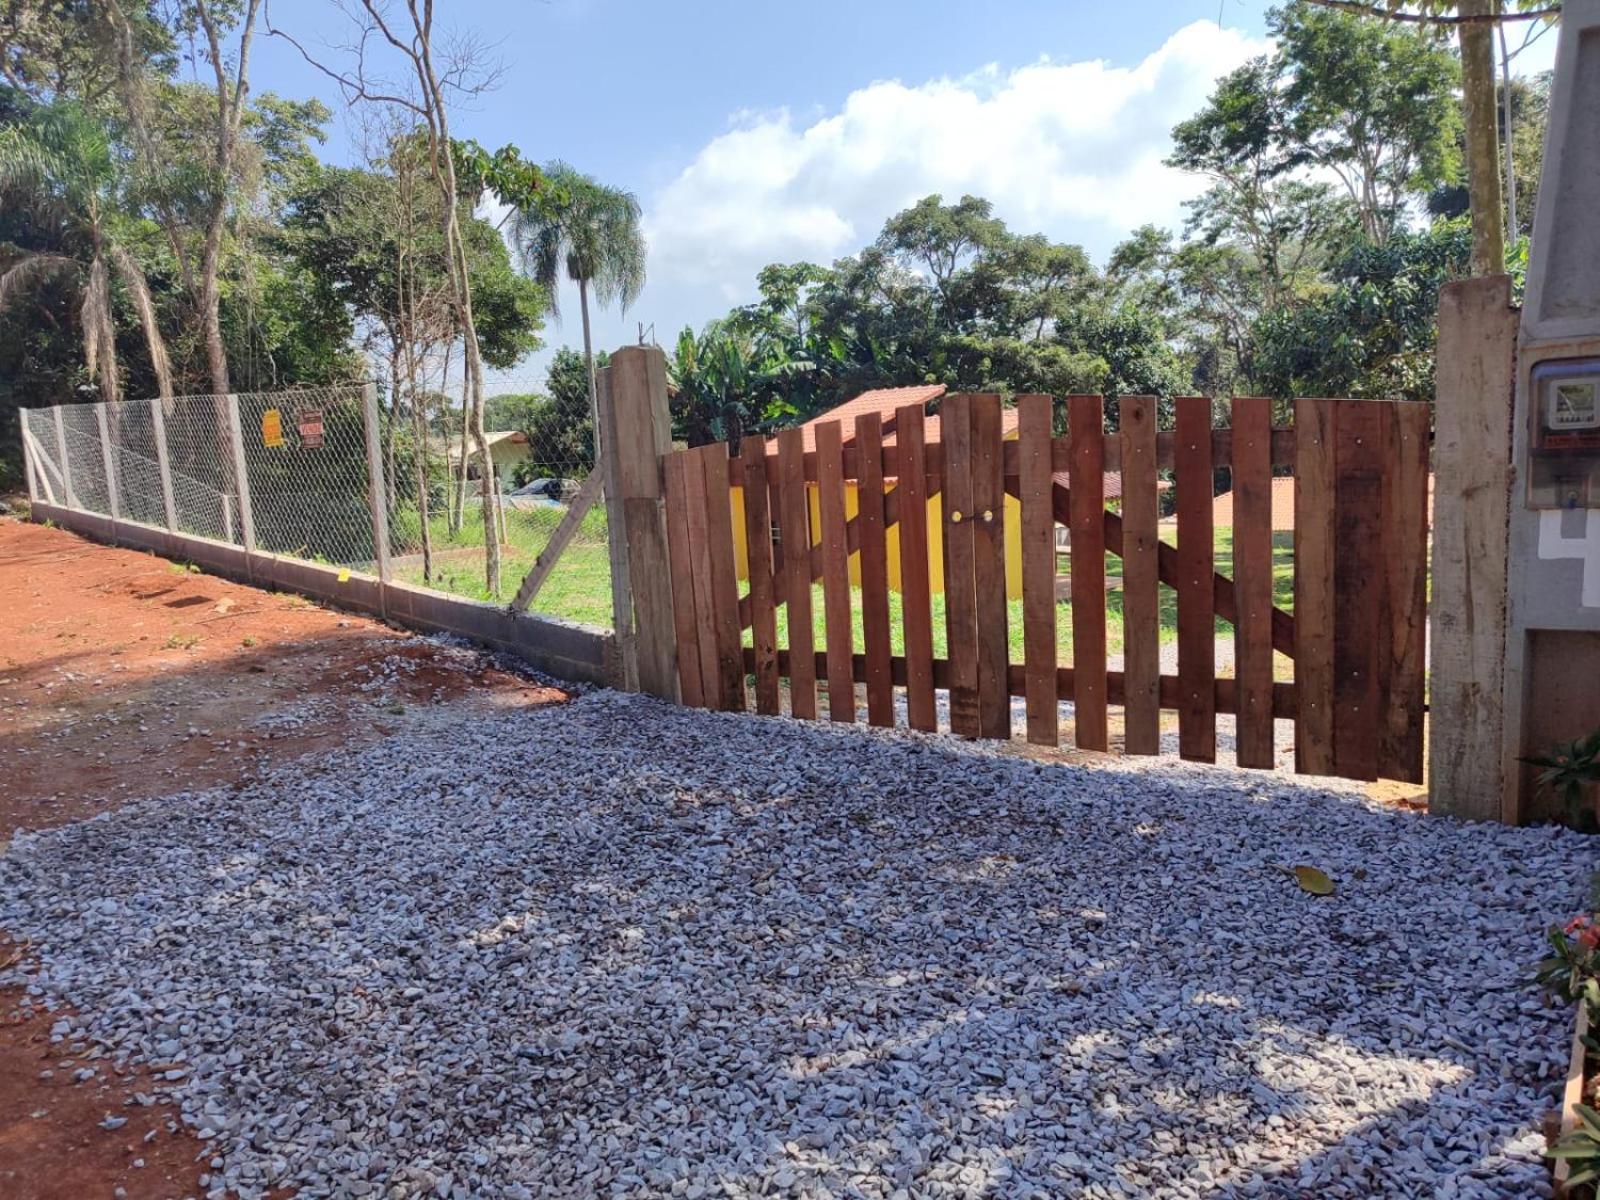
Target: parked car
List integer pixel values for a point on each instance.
(548, 487)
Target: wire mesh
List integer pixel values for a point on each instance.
(306, 460)
(200, 456)
(134, 461)
(88, 486)
(437, 520)
(307, 483)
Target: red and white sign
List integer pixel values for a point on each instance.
(309, 424)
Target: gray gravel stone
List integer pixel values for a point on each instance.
(614, 948)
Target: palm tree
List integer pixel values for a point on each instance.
(590, 232)
(58, 162)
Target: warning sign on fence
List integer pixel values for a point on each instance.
(272, 429)
(309, 423)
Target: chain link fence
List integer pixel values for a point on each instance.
(292, 473)
(438, 529)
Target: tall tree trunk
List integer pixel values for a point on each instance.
(210, 305)
(1483, 141)
(466, 427)
(1513, 226)
(588, 362)
(419, 451)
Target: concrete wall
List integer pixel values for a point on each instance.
(560, 648)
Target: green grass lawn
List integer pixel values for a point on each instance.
(1282, 586)
(578, 590)
(580, 587)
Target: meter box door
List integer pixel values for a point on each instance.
(1564, 466)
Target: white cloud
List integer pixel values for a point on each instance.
(1070, 149)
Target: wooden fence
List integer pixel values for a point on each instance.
(1345, 664)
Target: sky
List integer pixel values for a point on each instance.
(757, 132)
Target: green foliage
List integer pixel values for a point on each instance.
(586, 230)
(558, 424)
(1580, 1147)
(1570, 771)
(1372, 331)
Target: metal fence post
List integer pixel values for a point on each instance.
(70, 497)
(375, 485)
(113, 492)
(158, 424)
(29, 465)
(247, 519)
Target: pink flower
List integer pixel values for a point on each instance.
(1581, 921)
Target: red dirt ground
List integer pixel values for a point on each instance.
(123, 676)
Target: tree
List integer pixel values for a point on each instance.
(1473, 22)
(57, 164)
(1371, 102)
(590, 233)
(558, 425)
(1372, 333)
(180, 175)
(426, 98)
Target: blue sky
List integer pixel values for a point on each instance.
(756, 132)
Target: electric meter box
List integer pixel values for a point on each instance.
(1564, 446)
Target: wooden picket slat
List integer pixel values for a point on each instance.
(1086, 488)
(1197, 647)
(705, 625)
(1141, 594)
(836, 607)
(874, 571)
(680, 563)
(758, 553)
(794, 529)
(960, 585)
(1252, 578)
(1356, 635)
(916, 612)
(1035, 429)
(989, 568)
(1405, 532)
(1315, 423)
(724, 582)
(1360, 586)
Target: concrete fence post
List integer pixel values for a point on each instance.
(30, 465)
(638, 432)
(108, 463)
(376, 492)
(158, 427)
(247, 520)
(70, 496)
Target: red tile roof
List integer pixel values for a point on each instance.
(1282, 506)
(1112, 483)
(882, 401)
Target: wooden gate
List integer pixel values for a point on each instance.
(935, 541)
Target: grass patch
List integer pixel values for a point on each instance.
(580, 587)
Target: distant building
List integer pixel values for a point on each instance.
(507, 448)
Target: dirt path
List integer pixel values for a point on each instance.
(124, 676)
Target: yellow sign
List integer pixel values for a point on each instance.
(272, 429)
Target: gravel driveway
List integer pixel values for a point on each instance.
(613, 948)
